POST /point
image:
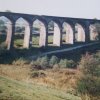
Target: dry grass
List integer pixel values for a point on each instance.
(11, 89)
(15, 71)
(64, 79)
(60, 79)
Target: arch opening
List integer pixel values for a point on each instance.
(94, 32)
(5, 32)
(54, 34)
(67, 33)
(39, 34)
(22, 33)
(80, 33)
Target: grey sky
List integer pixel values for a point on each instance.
(65, 8)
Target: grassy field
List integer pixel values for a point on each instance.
(16, 84)
(15, 90)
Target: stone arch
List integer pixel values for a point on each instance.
(8, 34)
(80, 33)
(69, 33)
(42, 32)
(56, 33)
(21, 22)
(94, 32)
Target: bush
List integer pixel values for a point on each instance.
(35, 74)
(53, 61)
(40, 63)
(36, 62)
(67, 63)
(63, 63)
(35, 65)
(97, 56)
(89, 81)
(90, 65)
(20, 61)
(44, 62)
(56, 67)
(71, 64)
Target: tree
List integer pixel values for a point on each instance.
(89, 82)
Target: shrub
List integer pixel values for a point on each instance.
(20, 61)
(89, 81)
(53, 61)
(40, 63)
(35, 65)
(67, 63)
(36, 62)
(35, 74)
(90, 65)
(56, 67)
(71, 64)
(63, 63)
(97, 56)
(44, 62)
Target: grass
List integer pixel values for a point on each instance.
(63, 79)
(16, 90)
(16, 83)
(17, 72)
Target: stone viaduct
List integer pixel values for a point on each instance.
(77, 29)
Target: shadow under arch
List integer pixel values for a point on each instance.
(5, 32)
(69, 33)
(79, 33)
(94, 31)
(55, 29)
(22, 32)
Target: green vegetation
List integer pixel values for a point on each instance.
(14, 90)
(64, 63)
(20, 62)
(50, 78)
(53, 60)
(46, 62)
(89, 81)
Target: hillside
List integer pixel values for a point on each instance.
(16, 90)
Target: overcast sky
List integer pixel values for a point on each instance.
(65, 8)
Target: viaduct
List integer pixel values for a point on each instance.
(77, 29)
